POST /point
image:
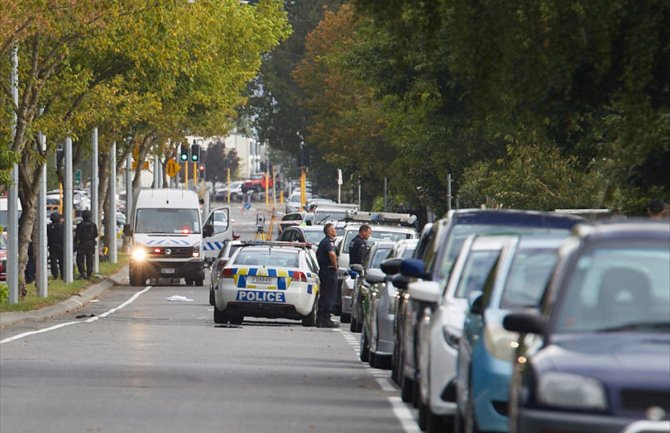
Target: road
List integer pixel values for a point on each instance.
(134, 361)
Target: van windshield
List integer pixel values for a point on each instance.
(173, 221)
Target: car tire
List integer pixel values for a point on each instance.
(136, 277)
(188, 281)
(406, 389)
(382, 362)
(211, 296)
(364, 349)
(236, 318)
(220, 317)
(310, 319)
(200, 283)
(345, 317)
(423, 416)
(438, 423)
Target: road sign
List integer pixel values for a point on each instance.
(145, 165)
(172, 167)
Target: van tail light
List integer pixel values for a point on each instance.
(299, 276)
(220, 265)
(227, 273)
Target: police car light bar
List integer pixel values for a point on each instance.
(277, 244)
(381, 218)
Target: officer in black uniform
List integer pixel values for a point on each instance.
(358, 247)
(325, 255)
(85, 240)
(55, 239)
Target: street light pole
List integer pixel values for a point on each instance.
(13, 199)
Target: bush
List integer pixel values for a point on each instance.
(4, 293)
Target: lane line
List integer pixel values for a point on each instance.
(91, 320)
(404, 415)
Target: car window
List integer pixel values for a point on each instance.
(476, 269)
(152, 220)
(527, 278)
(378, 257)
(313, 236)
(270, 257)
(616, 287)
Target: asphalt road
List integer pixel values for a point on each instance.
(134, 361)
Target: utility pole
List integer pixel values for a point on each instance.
(68, 249)
(449, 192)
(41, 250)
(94, 197)
(386, 187)
(111, 230)
(129, 190)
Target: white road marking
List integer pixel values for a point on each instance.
(404, 415)
(91, 320)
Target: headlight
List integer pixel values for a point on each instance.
(571, 390)
(500, 343)
(196, 250)
(139, 253)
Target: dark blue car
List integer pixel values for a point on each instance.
(597, 357)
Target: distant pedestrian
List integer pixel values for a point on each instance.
(55, 240)
(657, 209)
(85, 241)
(358, 247)
(325, 255)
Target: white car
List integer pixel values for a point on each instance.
(440, 330)
(225, 253)
(268, 279)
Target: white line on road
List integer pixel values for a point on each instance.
(404, 415)
(62, 325)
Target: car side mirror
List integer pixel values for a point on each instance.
(525, 323)
(413, 268)
(399, 281)
(208, 230)
(476, 303)
(391, 266)
(357, 268)
(426, 291)
(374, 276)
(127, 231)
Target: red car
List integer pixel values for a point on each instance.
(3, 256)
(257, 183)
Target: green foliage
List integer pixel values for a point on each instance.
(4, 293)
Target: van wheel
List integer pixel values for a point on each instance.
(199, 282)
(136, 277)
(188, 281)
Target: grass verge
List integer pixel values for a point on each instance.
(59, 291)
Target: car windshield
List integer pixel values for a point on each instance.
(313, 236)
(377, 235)
(528, 275)
(379, 256)
(476, 269)
(618, 288)
(183, 221)
(460, 232)
(323, 216)
(269, 257)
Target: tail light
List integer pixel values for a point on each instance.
(227, 273)
(299, 276)
(220, 265)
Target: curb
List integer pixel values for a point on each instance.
(75, 303)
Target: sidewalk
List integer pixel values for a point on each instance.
(69, 305)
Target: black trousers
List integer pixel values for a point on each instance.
(56, 261)
(85, 257)
(327, 293)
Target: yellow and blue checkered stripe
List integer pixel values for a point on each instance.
(284, 278)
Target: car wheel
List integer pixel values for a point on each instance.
(220, 316)
(310, 319)
(380, 361)
(345, 317)
(136, 277)
(364, 349)
(236, 318)
(211, 296)
(188, 281)
(200, 283)
(406, 389)
(437, 423)
(423, 416)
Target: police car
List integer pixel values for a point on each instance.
(268, 279)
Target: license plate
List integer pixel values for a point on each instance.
(167, 271)
(262, 280)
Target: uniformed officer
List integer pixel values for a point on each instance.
(358, 247)
(325, 255)
(85, 240)
(55, 239)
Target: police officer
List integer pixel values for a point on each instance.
(55, 239)
(358, 247)
(85, 239)
(325, 255)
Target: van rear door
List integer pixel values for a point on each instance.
(216, 229)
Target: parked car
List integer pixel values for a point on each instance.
(380, 309)
(439, 331)
(309, 234)
(236, 194)
(271, 279)
(257, 183)
(225, 253)
(293, 203)
(370, 273)
(485, 350)
(291, 219)
(438, 261)
(595, 358)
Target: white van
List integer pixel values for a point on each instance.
(167, 235)
(3, 212)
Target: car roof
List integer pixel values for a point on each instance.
(512, 217)
(381, 228)
(632, 229)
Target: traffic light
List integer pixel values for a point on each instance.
(183, 156)
(195, 153)
(201, 168)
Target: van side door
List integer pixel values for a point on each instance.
(215, 230)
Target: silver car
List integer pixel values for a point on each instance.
(381, 305)
(227, 250)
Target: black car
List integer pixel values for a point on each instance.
(596, 358)
(434, 262)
